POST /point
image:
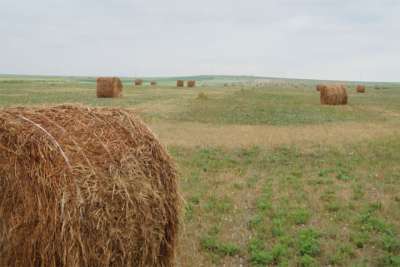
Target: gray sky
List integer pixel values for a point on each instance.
(321, 39)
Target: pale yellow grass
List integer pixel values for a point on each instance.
(191, 134)
(14, 95)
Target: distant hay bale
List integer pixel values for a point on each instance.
(191, 83)
(319, 86)
(138, 82)
(153, 83)
(85, 187)
(202, 96)
(333, 95)
(180, 83)
(108, 87)
(360, 89)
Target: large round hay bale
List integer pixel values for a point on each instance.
(333, 95)
(84, 187)
(191, 83)
(180, 83)
(360, 89)
(138, 82)
(108, 87)
(319, 86)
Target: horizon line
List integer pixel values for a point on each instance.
(196, 75)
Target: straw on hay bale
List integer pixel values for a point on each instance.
(333, 95)
(138, 82)
(180, 83)
(360, 89)
(84, 187)
(108, 87)
(153, 83)
(319, 86)
(191, 83)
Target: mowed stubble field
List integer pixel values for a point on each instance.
(269, 176)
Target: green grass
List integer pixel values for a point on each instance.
(211, 244)
(250, 106)
(29, 93)
(293, 221)
(261, 106)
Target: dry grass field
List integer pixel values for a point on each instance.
(269, 177)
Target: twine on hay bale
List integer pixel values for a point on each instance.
(191, 83)
(108, 87)
(138, 82)
(180, 83)
(333, 95)
(360, 89)
(84, 187)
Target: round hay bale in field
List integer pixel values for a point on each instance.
(360, 89)
(138, 82)
(84, 187)
(319, 86)
(333, 95)
(191, 83)
(202, 96)
(108, 87)
(180, 83)
(153, 83)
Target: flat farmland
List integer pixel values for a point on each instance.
(269, 177)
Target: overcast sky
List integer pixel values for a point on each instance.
(321, 39)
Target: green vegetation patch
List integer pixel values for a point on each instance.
(263, 106)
